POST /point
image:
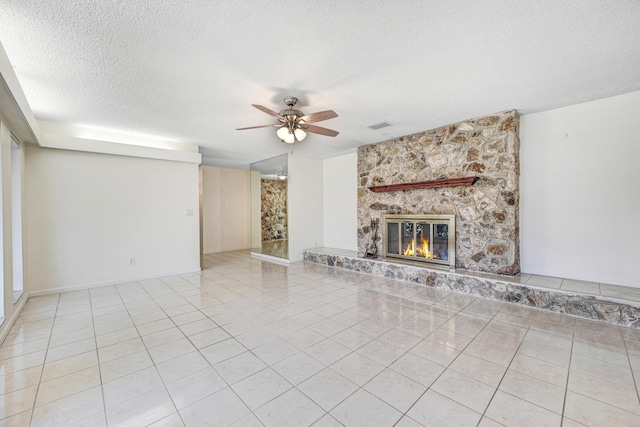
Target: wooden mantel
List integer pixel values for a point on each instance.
(436, 183)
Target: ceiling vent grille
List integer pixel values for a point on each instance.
(379, 125)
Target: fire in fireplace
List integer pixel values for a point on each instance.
(424, 238)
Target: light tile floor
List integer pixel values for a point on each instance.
(583, 287)
(277, 248)
(250, 343)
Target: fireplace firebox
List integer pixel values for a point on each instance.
(420, 238)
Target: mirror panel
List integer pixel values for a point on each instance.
(269, 210)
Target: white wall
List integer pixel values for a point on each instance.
(340, 193)
(256, 209)
(226, 209)
(580, 191)
(305, 205)
(88, 213)
(6, 240)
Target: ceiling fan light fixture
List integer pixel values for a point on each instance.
(289, 138)
(283, 132)
(300, 134)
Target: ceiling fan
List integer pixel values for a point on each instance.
(294, 124)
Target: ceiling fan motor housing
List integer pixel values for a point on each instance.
(290, 101)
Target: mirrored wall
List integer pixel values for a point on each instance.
(269, 221)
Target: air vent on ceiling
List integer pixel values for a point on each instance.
(379, 125)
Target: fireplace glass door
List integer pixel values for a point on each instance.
(425, 238)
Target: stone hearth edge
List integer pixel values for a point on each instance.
(484, 285)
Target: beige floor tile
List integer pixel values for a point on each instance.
(365, 409)
(594, 413)
(607, 371)
(289, 409)
(545, 371)
(116, 337)
(357, 368)
(19, 420)
(70, 349)
(395, 389)
(380, 351)
(194, 387)
(222, 350)
(327, 352)
(261, 388)
(479, 369)
(17, 401)
(172, 420)
(298, 367)
(221, 408)
(162, 337)
(239, 367)
(433, 409)
(69, 410)
(131, 386)
(171, 350)
(327, 388)
(22, 348)
(533, 390)
(464, 390)
(141, 410)
(121, 349)
(20, 379)
(605, 391)
(274, 351)
(67, 385)
(512, 411)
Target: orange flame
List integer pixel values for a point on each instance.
(422, 250)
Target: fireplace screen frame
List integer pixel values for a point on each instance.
(431, 219)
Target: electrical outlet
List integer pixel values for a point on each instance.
(132, 261)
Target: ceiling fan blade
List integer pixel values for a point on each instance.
(319, 116)
(320, 130)
(266, 110)
(257, 127)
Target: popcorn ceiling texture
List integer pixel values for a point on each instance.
(487, 230)
(188, 71)
(274, 210)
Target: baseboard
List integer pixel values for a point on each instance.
(8, 323)
(101, 284)
(270, 258)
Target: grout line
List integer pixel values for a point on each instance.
(566, 386)
(95, 338)
(633, 375)
(44, 361)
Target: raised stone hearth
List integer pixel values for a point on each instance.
(497, 287)
(487, 227)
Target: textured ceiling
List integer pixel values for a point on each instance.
(188, 70)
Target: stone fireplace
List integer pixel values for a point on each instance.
(486, 211)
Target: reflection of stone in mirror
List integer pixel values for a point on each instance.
(274, 212)
(269, 207)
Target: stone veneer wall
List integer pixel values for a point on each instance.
(486, 213)
(274, 210)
